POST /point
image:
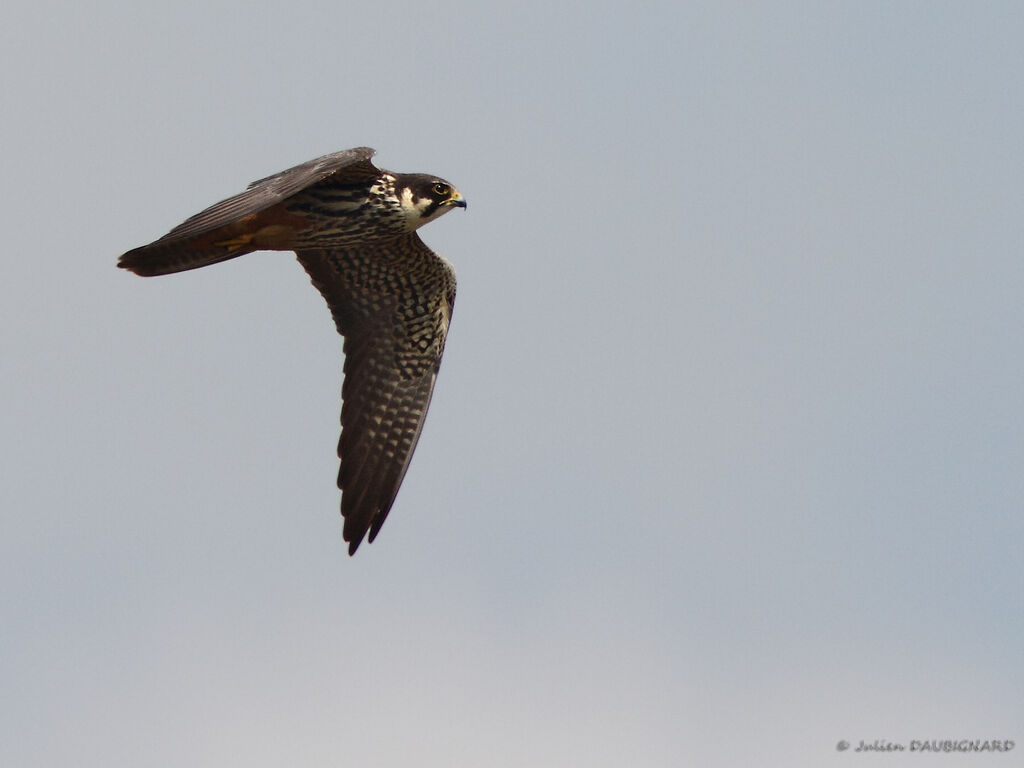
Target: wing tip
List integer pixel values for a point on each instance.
(136, 261)
(367, 530)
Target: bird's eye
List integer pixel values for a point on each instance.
(441, 189)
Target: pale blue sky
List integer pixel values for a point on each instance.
(725, 459)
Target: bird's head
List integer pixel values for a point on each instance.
(424, 198)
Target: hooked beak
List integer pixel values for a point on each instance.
(457, 199)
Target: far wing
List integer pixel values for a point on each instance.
(264, 193)
(393, 304)
(224, 230)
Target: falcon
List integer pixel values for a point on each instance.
(353, 228)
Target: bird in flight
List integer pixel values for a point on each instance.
(353, 228)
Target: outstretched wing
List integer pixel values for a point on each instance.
(184, 246)
(392, 301)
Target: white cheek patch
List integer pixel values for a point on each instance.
(415, 209)
(408, 201)
(411, 207)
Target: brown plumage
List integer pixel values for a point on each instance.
(352, 227)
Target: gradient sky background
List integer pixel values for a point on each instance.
(724, 464)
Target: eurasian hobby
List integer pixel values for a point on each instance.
(353, 228)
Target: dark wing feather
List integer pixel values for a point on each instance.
(264, 193)
(164, 255)
(392, 302)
